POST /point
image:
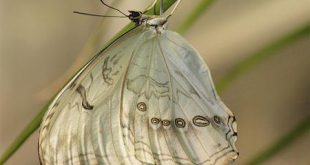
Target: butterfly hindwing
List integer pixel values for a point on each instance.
(207, 115)
(172, 110)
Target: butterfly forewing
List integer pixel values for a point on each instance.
(83, 104)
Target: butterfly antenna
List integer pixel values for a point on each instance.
(98, 15)
(175, 6)
(113, 8)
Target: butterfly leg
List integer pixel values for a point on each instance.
(175, 6)
(150, 7)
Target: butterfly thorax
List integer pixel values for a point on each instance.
(157, 23)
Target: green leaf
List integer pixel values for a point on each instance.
(248, 63)
(302, 128)
(23, 136)
(194, 16)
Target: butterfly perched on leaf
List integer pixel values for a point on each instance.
(148, 98)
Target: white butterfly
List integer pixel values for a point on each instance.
(146, 99)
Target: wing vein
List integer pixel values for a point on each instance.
(170, 91)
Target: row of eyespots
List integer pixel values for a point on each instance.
(199, 121)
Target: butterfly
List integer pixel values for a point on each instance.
(148, 98)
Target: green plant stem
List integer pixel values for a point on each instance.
(194, 16)
(282, 143)
(23, 136)
(246, 65)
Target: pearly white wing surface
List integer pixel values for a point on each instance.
(148, 99)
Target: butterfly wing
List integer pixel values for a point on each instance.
(149, 99)
(171, 109)
(77, 126)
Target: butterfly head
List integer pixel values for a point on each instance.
(139, 18)
(135, 16)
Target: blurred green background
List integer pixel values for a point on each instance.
(42, 44)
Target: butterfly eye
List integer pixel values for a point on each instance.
(141, 106)
(217, 119)
(134, 14)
